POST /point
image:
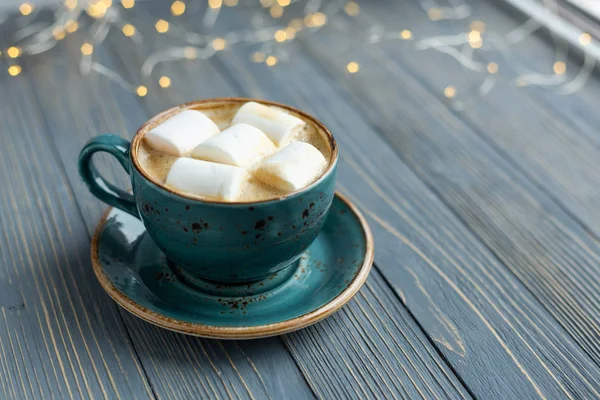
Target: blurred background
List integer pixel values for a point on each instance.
(469, 47)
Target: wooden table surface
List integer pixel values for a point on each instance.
(486, 221)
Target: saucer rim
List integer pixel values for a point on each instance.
(238, 332)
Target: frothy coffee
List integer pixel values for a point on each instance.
(158, 164)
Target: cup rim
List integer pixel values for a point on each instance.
(135, 143)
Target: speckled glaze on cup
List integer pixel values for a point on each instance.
(230, 242)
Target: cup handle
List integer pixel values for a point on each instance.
(100, 187)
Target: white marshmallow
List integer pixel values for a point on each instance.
(207, 179)
(278, 125)
(239, 145)
(182, 132)
(293, 167)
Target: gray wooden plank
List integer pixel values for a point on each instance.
(538, 52)
(556, 154)
(494, 333)
(350, 355)
(372, 349)
(77, 108)
(568, 284)
(550, 253)
(60, 336)
(310, 91)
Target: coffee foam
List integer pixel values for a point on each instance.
(158, 164)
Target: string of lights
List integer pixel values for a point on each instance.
(465, 48)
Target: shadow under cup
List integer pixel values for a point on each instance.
(229, 242)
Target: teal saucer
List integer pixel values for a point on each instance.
(135, 273)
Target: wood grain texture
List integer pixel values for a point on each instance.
(331, 366)
(497, 336)
(554, 257)
(379, 348)
(77, 108)
(549, 149)
(60, 336)
(455, 287)
(539, 52)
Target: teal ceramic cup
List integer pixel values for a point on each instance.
(229, 242)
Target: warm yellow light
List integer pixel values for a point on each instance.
(87, 49)
(97, 9)
(585, 39)
(478, 26)
(161, 26)
(319, 19)
(280, 36)
(189, 53)
(434, 14)
(258, 57)
(59, 34)
(178, 7)
(492, 68)
(450, 92)
(352, 67)
(474, 39)
(271, 60)
(560, 67)
(71, 26)
(128, 30)
(127, 3)
(473, 36)
(296, 24)
(13, 52)
(406, 34)
(14, 70)
(215, 3)
(352, 8)
(290, 33)
(283, 3)
(308, 20)
(266, 3)
(164, 81)
(26, 8)
(219, 44)
(276, 11)
(141, 91)
(231, 3)
(70, 4)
